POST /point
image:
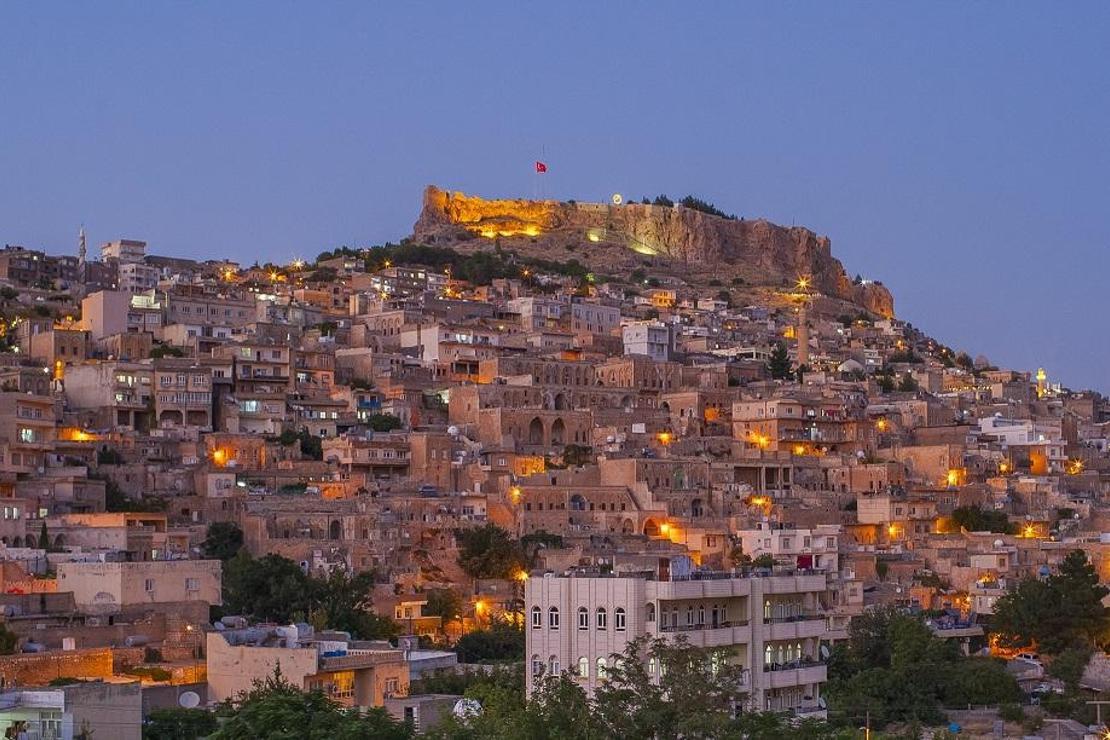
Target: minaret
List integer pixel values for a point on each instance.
(803, 335)
(81, 251)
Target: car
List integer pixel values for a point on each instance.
(1030, 657)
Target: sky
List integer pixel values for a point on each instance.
(957, 152)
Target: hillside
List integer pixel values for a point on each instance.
(616, 239)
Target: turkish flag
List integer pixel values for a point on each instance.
(541, 167)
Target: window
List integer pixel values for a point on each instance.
(618, 620)
(149, 585)
(602, 619)
(651, 665)
(650, 612)
(537, 666)
(192, 584)
(584, 667)
(553, 666)
(602, 664)
(537, 618)
(26, 435)
(553, 617)
(583, 618)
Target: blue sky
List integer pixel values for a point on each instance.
(956, 151)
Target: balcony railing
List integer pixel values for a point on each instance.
(720, 625)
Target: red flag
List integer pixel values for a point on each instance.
(540, 167)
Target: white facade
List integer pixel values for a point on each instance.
(651, 338)
(772, 626)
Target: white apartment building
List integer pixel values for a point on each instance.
(773, 626)
(651, 338)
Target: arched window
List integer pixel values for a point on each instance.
(553, 618)
(650, 613)
(602, 664)
(537, 666)
(689, 616)
(618, 619)
(768, 655)
(701, 614)
(781, 655)
(766, 610)
(584, 667)
(553, 666)
(537, 618)
(651, 665)
(602, 619)
(583, 618)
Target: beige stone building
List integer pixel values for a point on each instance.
(107, 588)
(352, 673)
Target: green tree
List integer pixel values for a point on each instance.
(345, 602)
(501, 641)
(384, 422)
(976, 519)
(277, 710)
(907, 383)
(443, 602)
(488, 552)
(893, 668)
(270, 588)
(223, 541)
(779, 363)
(8, 640)
(1063, 611)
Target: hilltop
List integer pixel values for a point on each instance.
(695, 244)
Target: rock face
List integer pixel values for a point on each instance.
(760, 251)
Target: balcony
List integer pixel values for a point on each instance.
(797, 673)
(707, 635)
(797, 627)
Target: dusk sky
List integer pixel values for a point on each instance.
(957, 152)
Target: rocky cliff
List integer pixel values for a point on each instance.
(622, 236)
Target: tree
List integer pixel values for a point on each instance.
(277, 710)
(223, 541)
(44, 538)
(488, 552)
(311, 446)
(443, 602)
(345, 602)
(8, 640)
(662, 688)
(384, 422)
(907, 383)
(893, 668)
(578, 454)
(271, 588)
(1063, 611)
(179, 724)
(779, 363)
(501, 641)
(976, 519)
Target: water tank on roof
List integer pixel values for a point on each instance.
(136, 640)
(34, 647)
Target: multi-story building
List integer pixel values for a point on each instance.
(182, 394)
(772, 626)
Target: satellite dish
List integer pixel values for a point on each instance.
(617, 199)
(189, 700)
(825, 652)
(466, 708)
(822, 703)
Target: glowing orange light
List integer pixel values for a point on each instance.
(799, 449)
(522, 576)
(1074, 466)
(515, 494)
(954, 477)
(803, 283)
(665, 438)
(664, 529)
(882, 425)
(219, 456)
